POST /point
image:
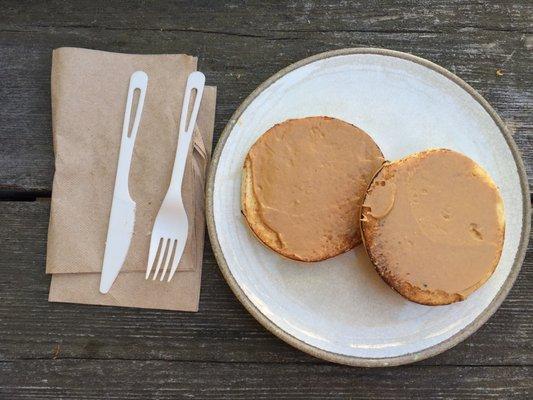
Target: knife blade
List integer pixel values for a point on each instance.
(122, 216)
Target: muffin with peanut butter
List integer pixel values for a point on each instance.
(303, 185)
(433, 226)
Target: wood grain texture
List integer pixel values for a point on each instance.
(73, 351)
(237, 53)
(117, 379)
(222, 331)
(257, 18)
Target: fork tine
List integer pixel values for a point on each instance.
(152, 254)
(170, 255)
(180, 246)
(162, 254)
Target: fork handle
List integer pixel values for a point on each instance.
(196, 81)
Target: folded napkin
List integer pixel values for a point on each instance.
(89, 91)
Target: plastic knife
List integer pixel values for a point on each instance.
(122, 217)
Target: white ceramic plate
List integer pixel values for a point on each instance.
(340, 309)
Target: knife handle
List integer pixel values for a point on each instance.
(138, 81)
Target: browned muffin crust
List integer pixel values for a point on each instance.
(303, 183)
(433, 226)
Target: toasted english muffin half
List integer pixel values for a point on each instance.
(433, 225)
(303, 183)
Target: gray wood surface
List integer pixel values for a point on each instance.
(120, 379)
(73, 351)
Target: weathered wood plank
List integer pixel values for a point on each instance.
(274, 18)
(85, 379)
(32, 328)
(237, 64)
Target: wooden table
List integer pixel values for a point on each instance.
(72, 351)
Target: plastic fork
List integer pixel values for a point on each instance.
(171, 225)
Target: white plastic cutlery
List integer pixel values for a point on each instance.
(122, 217)
(169, 234)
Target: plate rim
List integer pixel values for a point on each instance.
(342, 358)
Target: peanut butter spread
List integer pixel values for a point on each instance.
(438, 222)
(309, 176)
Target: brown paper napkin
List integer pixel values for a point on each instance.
(88, 99)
